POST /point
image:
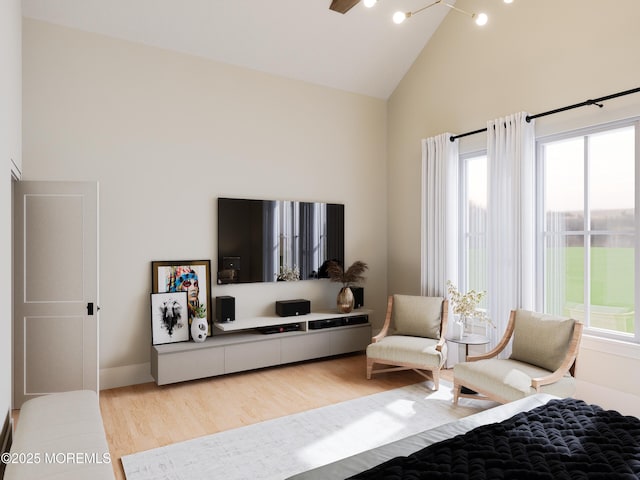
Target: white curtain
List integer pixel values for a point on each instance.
(510, 218)
(439, 214)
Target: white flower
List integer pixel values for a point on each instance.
(289, 274)
(467, 305)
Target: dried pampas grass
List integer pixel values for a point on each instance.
(352, 275)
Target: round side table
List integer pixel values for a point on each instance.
(466, 340)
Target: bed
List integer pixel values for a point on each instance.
(540, 436)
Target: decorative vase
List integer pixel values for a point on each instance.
(462, 326)
(345, 300)
(199, 329)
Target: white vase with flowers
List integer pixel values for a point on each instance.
(465, 306)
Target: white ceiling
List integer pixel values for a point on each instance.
(362, 51)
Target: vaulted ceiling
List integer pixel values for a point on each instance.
(361, 51)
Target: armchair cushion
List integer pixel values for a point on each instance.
(541, 340)
(417, 316)
(509, 380)
(400, 349)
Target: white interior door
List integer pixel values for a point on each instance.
(56, 288)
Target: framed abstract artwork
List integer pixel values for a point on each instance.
(190, 276)
(169, 318)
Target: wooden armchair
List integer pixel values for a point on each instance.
(412, 337)
(543, 359)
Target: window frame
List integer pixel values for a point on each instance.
(541, 235)
(463, 278)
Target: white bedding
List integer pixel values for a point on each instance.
(363, 461)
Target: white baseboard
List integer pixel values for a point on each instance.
(608, 398)
(123, 376)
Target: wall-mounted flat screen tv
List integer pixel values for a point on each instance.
(276, 240)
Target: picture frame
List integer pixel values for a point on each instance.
(190, 276)
(169, 318)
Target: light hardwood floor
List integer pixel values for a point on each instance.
(146, 416)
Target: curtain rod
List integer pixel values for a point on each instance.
(595, 101)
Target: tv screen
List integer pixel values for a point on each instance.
(277, 240)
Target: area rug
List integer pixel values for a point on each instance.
(276, 449)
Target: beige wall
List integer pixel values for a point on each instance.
(165, 134)
(163, 131)
(533, 56)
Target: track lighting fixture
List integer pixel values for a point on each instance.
(399, 17)
(479, 18)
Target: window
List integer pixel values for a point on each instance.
(473, 219)
(587, 228)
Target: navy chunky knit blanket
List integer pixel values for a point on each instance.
(564, 439)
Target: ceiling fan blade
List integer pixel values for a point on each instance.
(343, 6)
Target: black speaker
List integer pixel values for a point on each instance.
(358, 297)
(225, 309)
(290, 308)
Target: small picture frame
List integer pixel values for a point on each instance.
(190, 276)
(169, 318)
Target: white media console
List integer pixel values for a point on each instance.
(239, 345)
